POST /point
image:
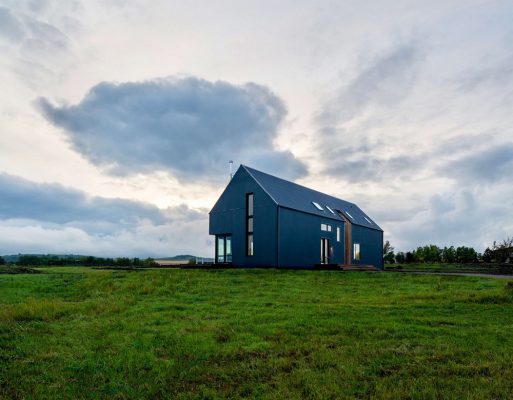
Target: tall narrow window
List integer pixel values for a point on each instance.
(356, 251)
(228, 249)
(249, 224)
(338, 233)
(221, 254)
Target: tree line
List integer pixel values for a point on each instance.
(499, 252)
(86, 261)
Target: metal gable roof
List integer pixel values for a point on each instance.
(301, 198)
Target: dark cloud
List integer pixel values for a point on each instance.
(42, 217)
(188, 126)
(490, 165)
(22, 199)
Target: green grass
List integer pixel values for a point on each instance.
(78, 333)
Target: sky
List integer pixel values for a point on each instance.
(118, 118)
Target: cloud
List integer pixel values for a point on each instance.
(488, 165)
(188, 126)
(38, 49)
(386, 81)
(59, 204)
(367, 168)
(10, 26)
(456, 217)
(42, 217)
(497, 73)
(350, 123)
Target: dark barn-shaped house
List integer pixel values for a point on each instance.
(264, 221)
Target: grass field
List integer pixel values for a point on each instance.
(78, 333)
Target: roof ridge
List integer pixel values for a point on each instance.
(258, 182)
(293, 183)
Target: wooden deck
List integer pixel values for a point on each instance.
(346, 267)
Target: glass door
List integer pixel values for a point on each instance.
(223, 249)
(325, 251)
(220, 253)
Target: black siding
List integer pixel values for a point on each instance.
(229, 217)
(371, 246)
(300, 239)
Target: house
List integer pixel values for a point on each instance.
(264, 221)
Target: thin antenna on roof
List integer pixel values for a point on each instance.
(231, 169)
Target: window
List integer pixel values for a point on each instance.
(326, 227)
(250, 244)
(338, 233)
(330, 210)
(318, 206)
(350, 216)
(224, 249)
(228, 247)
(250, 204)
(356, 251)
(249, 224)
(367, 219)
(220, 249)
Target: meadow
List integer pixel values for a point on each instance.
(80, 333)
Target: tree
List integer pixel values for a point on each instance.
(150, 262)
(503, 251)
(466, 254)
(449, 254)
(123, 262)
(432, 253)
(2, 261)
(388, 253)
(410, 256)
(400, 258)
(487, 255)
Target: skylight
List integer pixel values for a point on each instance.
(330, 210)
(318, 206)
(350, 216)
(367, 219)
